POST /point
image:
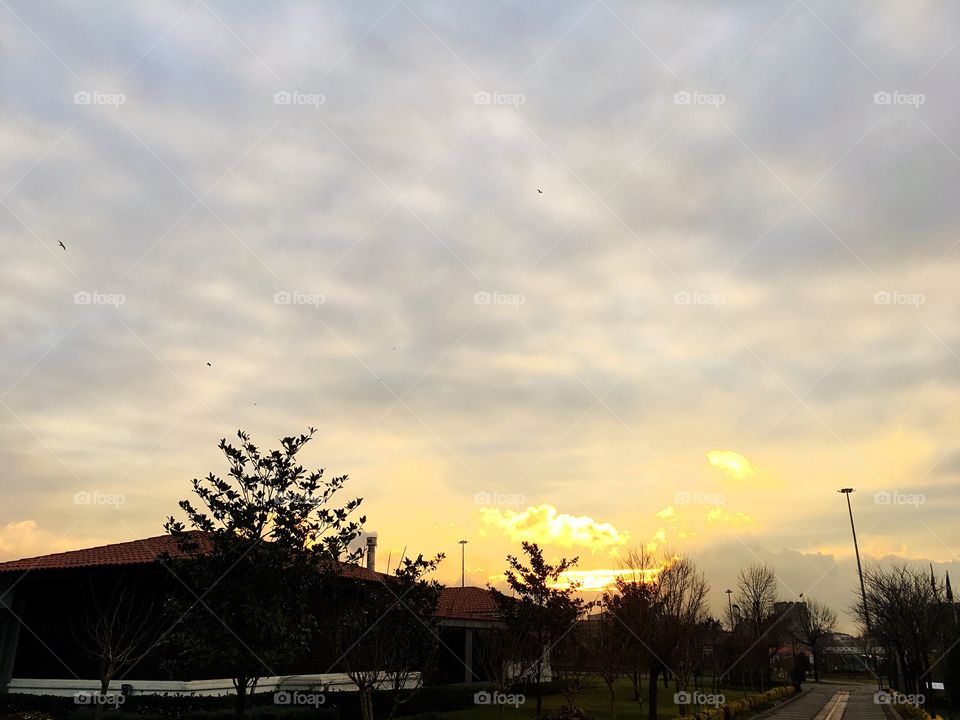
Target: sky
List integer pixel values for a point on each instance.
(595, 274)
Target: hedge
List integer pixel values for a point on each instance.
(912, 712)
(425, 702)
(745, 706)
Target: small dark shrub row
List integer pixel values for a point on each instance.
(427, 701)
(161, 707)
(338, 705)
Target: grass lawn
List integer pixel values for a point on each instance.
(596, 701)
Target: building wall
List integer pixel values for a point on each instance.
(56, 606)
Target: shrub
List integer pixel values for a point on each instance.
(429, 701)
(912, 712)
(739, 708)
(565, 713)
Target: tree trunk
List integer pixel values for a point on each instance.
(241, 702)
(366, 703)
(613, 697)
(98, 708)
(539, 689)
(635, 679)
(652, 689)
(242, 684)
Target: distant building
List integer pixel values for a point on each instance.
(844, 653)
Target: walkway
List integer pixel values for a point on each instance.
(828, 701)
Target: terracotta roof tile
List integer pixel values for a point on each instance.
(466, 603)
(469, 603)
(134, 552)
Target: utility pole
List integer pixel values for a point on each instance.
(863, 589)
(463, 560)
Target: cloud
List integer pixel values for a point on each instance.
(734, 464)
(25, 538)
(668, 513)
(658, 539)
(543, 524)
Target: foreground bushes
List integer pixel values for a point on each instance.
(740, 708)
(159, 707)
(428, 700)
(912, 712)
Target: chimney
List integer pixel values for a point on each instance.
(371, 553)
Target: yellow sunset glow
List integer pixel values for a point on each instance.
(544, 524)
(601, 579)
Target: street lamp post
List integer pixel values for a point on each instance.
(863, 589)
(463, 558)
(743, 677)
(730, 606)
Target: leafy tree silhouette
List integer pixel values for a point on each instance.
(259, 546)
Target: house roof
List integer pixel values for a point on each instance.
(134, 552)
(466, 603)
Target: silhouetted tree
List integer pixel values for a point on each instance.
(682, 611)
(756, 596)
(542, 606)
(611, 645)
(662, 607)
(503, 649)
(908, 616)
(573, 666)
(811, 623)
(387, 633)
(634, 602)
(119, 631)
(254, 555)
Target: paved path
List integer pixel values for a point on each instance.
(828, 701)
